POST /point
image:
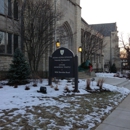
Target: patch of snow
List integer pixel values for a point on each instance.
(21, 99)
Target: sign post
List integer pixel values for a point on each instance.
(63, 64)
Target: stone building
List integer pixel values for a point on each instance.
(111, 50)
(9, 34)
(74, 27)
(92, 44)
(71, 28)
(71, 23)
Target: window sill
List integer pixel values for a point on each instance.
(10, 55)
(9, 17)
(2, 14)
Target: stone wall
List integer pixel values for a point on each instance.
(106, 49)
(97, 58)
(115, 50)
(78, 32)
(5, 62)
(7, 25)
(111, 50)
(72, 14)
(2, 23)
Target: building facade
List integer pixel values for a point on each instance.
(71, 23)
(92, 44)
(111, 50)
(9, 34)
(75, 29)
(71, 28)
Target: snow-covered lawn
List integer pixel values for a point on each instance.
(22, 109)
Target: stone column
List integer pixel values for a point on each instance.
(78, 31)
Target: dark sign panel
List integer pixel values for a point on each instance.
(63, 63)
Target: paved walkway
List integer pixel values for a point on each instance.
(119, 119)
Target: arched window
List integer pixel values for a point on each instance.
(66, 36)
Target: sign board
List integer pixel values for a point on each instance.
(63, 64)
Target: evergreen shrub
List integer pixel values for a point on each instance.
(19, 71)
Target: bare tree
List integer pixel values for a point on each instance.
(92, 43)
(126, 47)
(38, 29)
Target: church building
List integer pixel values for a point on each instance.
(77, 31)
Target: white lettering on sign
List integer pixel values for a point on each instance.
(62, 72)
(65, 57)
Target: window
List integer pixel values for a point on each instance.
(2, 42)
(15, 42)
(2, 7)
(15, 9)
(9, 45)
(9, 8)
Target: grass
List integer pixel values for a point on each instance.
(71, 111)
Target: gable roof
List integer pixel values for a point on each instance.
(105, 28)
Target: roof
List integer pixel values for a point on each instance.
(105, 28)
(84, 21)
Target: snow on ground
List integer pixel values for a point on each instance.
(20, 99)
(110, 75)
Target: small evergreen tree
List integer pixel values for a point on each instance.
(19, 69)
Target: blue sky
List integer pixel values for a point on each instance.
(107, 11)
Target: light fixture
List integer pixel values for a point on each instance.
(80, 49)
(57, 44)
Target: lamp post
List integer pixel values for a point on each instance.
(80, 50)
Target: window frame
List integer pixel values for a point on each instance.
(9, 7)
(15, 10)
(4, 42)
(2, 9)
(11, 42)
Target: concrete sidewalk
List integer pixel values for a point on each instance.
(112, 81)
(119, 119)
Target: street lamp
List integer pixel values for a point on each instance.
(57, 44)
(80, 49)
